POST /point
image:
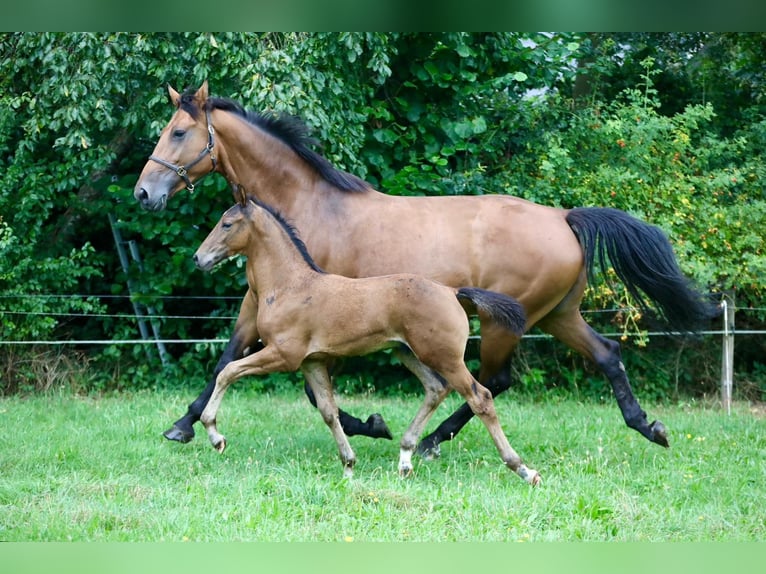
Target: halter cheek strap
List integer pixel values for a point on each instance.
(183, 170)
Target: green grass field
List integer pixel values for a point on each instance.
(88, 469)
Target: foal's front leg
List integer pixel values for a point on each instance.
(244, 337)
(267, 360)
(319, 381)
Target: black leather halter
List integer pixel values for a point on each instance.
(183, 170)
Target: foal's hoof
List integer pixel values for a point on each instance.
(429, 449)
(659, 434)
(178, 434)
(405, 471)
(378, 427)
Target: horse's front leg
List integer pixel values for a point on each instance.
(267, 360)
(319, 381)
(373, 427)
(244, 337)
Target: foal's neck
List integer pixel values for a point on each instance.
(273, 260)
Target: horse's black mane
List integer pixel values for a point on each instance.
(292, 233)
(288, 129)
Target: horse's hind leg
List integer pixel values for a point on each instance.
(496, 348)
(319, 381)
(244, 337)
(571, 329)
(436, 389)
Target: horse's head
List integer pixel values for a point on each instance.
(230, 236)
(183, 154)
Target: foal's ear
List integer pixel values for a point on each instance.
(240, 195)
(175, 97)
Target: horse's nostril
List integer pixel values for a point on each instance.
(142, 195)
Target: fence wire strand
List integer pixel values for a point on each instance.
(213, 317)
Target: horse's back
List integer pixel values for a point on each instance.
(497, 242)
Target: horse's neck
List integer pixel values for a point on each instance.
(254, 159)
(273, 262)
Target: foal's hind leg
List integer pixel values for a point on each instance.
(571, 329)
(496, 348)
(481, 403)
(317, 377)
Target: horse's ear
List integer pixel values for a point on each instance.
(201, 95)
(175, 97)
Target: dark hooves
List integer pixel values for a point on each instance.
(178, 434)
(378, 427)
(659, 434)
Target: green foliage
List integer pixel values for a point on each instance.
(670, 127)
(703, 189)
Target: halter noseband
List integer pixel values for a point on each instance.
(183, 171)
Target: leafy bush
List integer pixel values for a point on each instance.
(561, 119)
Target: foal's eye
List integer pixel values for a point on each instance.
(178, 134)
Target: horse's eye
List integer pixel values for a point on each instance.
(226, 226)
(178, 134)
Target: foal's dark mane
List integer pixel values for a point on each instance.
(292, 233)
(290, 130)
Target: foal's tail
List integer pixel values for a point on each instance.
(502, 309)
(643, 259)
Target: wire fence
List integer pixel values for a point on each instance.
(145, 314)
(131, 317)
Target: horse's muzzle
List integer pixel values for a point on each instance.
(145, 201)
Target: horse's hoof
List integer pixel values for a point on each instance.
(405, 471)
(536, 479)
(378, 427)
(659, 434)
(429, 449)
(178, 434)
(220, 446)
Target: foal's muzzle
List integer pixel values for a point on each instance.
(204, 263)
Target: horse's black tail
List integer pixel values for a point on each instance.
(643, 259)
(502, 309)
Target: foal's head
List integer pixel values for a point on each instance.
(249, 221)
(230, 236)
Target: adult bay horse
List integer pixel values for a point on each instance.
(306, 318)
(538, 254)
